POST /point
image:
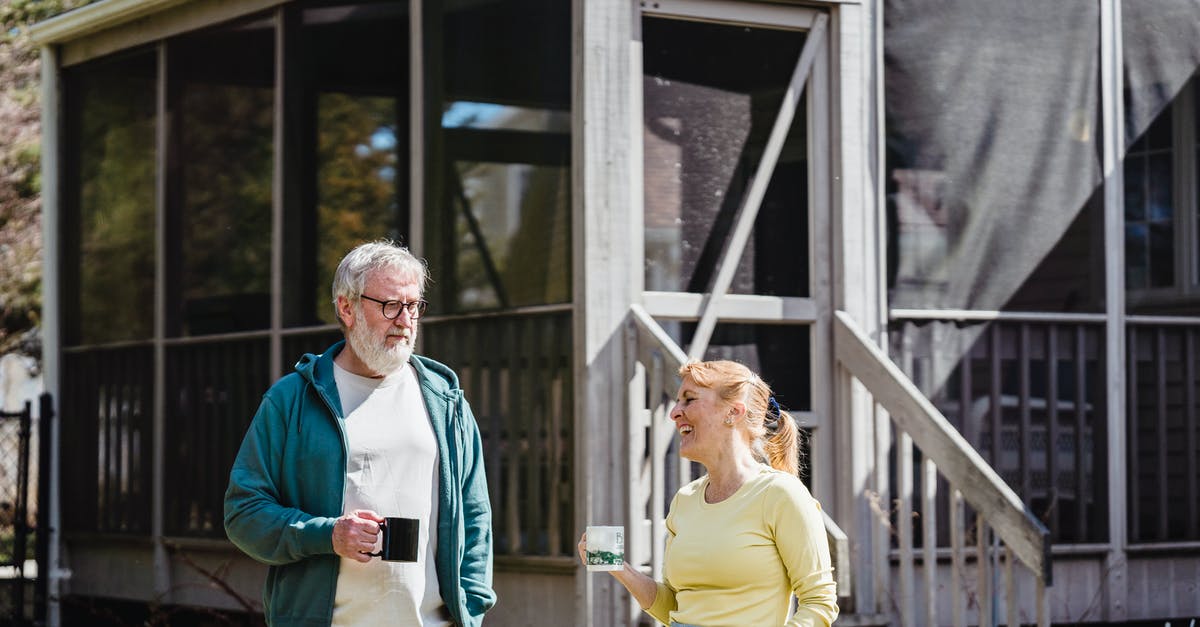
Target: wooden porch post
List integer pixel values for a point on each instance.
(1113, 116)
(857, 276)
(607, 245)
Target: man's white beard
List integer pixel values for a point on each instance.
(374, 351)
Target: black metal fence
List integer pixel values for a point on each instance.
(23, 534)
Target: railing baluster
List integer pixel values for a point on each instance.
(1081, 516)
(996, 409)
(1189, 409)
(929, 539)
(1160, 419)
(904, 526)
(1135, 534)
(1052, 429)
(1024, 438)
(957, 530)
(1011, 618)
(553, 440)
(658, 527)
(983, 580)
(881, 538)
(1043, 612)
(537, 401)
(516, 433)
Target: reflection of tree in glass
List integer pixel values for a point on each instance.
(116, 199)
(227, 178)
(529, 243)
(356, 180)
(539, 253)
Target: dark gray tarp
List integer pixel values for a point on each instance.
(993, 139)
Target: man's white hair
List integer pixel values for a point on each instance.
(351, 277)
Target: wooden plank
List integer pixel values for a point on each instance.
(607, 274)
(1011, 617)
(1025, 434)
(553, 381)
(1135, 530)
(839, 549)
(750, 14)
(1160, 427)
(1052, 429)
(983, 579)
(1043, 612)
(904, 527)
(660, 440)
(516, 417)
(996, 403)
(747, 209)
(1081, 515)
(742, 308)
(929, 538)
(913, 413)
(957, 585)
(98, 36)
(1189, 412)
(1112, 92)
(881, 528)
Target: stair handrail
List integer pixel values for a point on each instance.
(940, 441)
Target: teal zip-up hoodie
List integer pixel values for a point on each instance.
(285, 492)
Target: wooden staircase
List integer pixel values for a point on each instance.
(1005, 532)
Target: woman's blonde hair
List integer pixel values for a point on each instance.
(774, 436)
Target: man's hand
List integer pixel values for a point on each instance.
(355, 533)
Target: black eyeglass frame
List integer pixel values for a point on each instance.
(415, 309)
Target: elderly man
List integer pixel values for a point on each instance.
(366, 430)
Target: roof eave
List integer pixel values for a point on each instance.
(93, 18)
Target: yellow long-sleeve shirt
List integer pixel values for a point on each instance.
(736, 563)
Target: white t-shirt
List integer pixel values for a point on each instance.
(391, 469)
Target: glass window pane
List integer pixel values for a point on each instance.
(1136, 245)
(512, 230)
(711, 94)
(357, 168)
(498, 233)
(1135, 188)
(222, 90)
(1161, 185)
(111, 108)
(352, 164)
(1162, 254)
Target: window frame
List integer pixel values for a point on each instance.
(1185, 155)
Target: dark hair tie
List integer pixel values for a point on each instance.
(771, 421)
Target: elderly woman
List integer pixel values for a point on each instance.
(747, 536)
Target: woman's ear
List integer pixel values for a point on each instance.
(737, 409)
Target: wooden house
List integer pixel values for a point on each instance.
(960, 240)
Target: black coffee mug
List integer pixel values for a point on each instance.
(400, 537)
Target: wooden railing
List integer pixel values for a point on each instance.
(1164, 430)
(655, 468)
(515, 369)
(107, 409)
(1027, 392)
(971, 480)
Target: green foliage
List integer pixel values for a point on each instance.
(17, 13)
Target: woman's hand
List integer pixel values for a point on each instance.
(643, 588)
(583, 548)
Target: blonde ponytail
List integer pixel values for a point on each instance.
(782, 447)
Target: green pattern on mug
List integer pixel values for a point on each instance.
(604, 558)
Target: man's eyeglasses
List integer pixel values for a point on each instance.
(392, 308)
